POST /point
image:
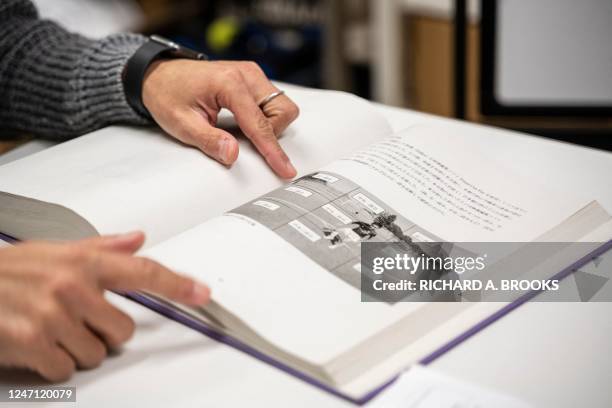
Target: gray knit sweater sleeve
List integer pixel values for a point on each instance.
(57, 84)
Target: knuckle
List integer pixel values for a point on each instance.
(48, 312)
(141, 264)
(123, 332)
(96, 355)
(74, 254)
(61, 371)
(150, 270)
(146, 265)
(127, 329)
(230, 74)
(64, 285)
(31, 335)
(250, 66)
(293, 111)
(264, 125)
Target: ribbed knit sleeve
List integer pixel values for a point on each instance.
(57, 84)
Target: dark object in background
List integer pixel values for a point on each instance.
(285, 37)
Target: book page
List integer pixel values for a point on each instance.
(122, 179)
(288, 263)
(455, 193)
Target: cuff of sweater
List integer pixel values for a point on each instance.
(100, 84)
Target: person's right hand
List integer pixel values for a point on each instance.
(185, 97)
(54, 317)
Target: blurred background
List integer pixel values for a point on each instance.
(541, 66)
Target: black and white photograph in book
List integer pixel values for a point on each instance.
(328, 217)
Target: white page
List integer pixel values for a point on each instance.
(423, 387)
(122, 179)
(253, 269)
(536, 208)
(275, 289)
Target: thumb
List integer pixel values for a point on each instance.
(216, 143)
(127, 243)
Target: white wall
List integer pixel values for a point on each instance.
(554, 52)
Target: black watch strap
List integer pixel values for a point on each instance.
(136, 68)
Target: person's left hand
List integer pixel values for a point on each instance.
(185, 97)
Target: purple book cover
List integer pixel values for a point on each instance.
(190, 322)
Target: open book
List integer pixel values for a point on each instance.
(282, 259)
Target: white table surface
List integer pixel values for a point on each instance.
(549, 354)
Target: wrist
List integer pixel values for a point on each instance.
(144, 61)
(150, 83)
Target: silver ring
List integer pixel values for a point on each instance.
(269, 98)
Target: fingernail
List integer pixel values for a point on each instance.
(200, 294)
(224, 150)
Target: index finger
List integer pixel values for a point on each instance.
(127, 273)
(258, 129)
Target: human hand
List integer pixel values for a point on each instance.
(54, 314)
(185, 97)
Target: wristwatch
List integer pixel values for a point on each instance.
(155, 48)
